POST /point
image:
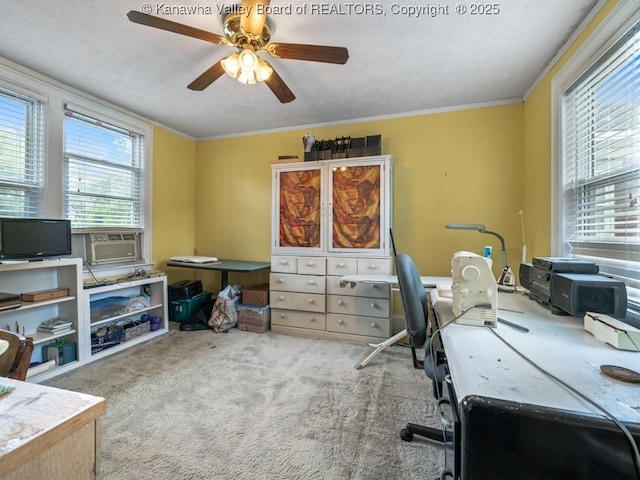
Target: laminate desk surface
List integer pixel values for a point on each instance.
(482, 365)
(427, 281)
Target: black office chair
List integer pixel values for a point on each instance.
(419, 332)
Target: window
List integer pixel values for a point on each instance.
(600, 165)
(103, 174)
(64, 154)
(21, 155)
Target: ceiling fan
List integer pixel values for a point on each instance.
(247, 29)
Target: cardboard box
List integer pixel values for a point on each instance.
(612, 331)
(258, 296)
(45, 295)
(373, 146)
(252, 318)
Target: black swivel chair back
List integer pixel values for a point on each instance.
(414, 303)
(416, 314)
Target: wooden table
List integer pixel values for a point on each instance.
(49, 433)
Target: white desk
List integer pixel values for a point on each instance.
(481, 367)
(392, 280)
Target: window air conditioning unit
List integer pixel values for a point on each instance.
(109, 247)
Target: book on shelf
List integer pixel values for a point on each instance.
(56, 330)
(55, 325)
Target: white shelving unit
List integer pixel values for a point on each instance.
(23, 277)
(153, 290)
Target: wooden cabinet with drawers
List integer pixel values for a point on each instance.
(331, 219)
(308, 302)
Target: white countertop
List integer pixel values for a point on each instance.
(481, 364)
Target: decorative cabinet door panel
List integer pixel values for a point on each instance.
(298, 209)
(359, 207)
(355, 201)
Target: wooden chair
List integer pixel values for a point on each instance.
(14, 362)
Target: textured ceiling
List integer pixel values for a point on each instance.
(398, 63)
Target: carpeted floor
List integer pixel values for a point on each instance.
(242, 405)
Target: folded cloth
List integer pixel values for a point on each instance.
(194, 259)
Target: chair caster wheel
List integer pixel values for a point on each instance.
(406, 435)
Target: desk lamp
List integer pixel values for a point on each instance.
(506, 277)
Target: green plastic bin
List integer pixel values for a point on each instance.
(182, 310)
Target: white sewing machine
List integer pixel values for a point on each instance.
(474, 289)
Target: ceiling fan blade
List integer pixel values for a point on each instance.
(251, 20)
(210, 75)
(168, 25)
(312, 53)
(279, 88)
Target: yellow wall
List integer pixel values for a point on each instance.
(536, 178)
(455, 167)
(174, 199)
(480, 165)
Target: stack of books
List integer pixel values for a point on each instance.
(55, 325)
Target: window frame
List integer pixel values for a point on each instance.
(82, 112)
(39, 155)
(620, 20)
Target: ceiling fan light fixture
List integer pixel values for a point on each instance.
(231, 65)
(247, 67)
(248, 60)
(263, 71)
(247, 77)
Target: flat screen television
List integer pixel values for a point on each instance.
(34, 238)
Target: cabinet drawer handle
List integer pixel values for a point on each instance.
(281, 280)
(341, 265)
(340, 321)
(312, 282)
(284, 262)
(282, 315)
(373, 325)
(311, 264)
(373, 266)
(281, 298)
(312, 319)
(340, 302)
(373, 305)
(311, 301)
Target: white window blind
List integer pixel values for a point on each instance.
(103, 174)
(601, 165)
(21, 155)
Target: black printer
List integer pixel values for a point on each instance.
(184, 289)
